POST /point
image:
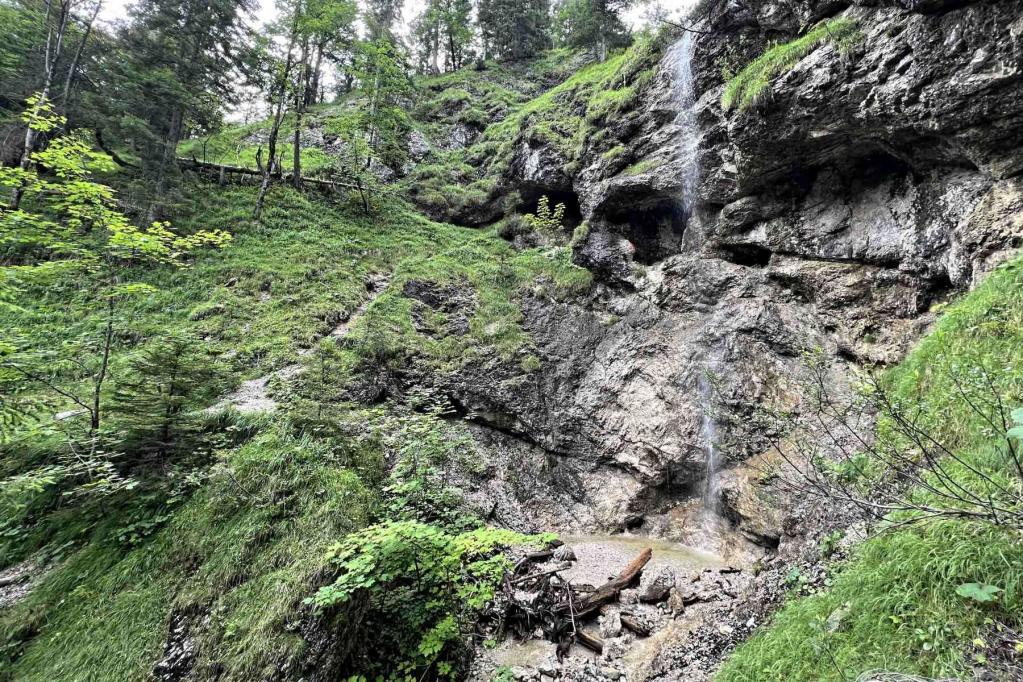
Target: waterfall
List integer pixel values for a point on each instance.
(680, 57)
(709, 436)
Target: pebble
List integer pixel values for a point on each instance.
(610, 624)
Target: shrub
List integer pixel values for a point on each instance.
(426, 584)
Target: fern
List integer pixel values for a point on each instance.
(751, 85)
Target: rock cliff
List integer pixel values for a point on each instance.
(867, 188)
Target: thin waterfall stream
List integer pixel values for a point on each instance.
(684, 94)
(709, 435)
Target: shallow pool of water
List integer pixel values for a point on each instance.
(601, 557)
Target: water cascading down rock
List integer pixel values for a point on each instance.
(684, 93)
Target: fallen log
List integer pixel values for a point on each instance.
(532, 557)
(526, 578)
(609, 590)
(222, 170)
(630, 623)
(591, 642)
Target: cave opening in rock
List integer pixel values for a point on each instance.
(530, 201)
(749, 255)
(654, 228)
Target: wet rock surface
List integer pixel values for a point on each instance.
(869, 187)
(834, 216)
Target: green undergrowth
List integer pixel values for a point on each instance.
(232, 534)
(752, 85)
(898, 593)
(245, 549)
(237, 145)
(566, 113)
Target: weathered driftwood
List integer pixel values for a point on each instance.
(540, 598)
(631, 623)
(532, 557)
(591, 642)
(609, 591)
(532, 576)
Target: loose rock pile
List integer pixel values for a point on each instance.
(608, 621)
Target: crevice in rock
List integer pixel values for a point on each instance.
(938, 289)
(749, 255)
(655, 229)
(530, 199)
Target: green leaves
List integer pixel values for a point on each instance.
(69, 228)
(1017, 430)
(546, 221)
(979, 592)
(428, 582)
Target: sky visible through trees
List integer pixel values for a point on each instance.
(114, 10)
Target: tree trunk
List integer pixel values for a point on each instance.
(275, 129)
(54, 41)
(313, 95)
(101, 375)
(73, 69)
(170, 146)
(301, 96)
(609, 590)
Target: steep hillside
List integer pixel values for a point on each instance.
(202, 565)
(599, 299)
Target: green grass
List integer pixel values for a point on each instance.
(904, 614)
(565, 117)
(245, 549)
(240, 528)
(236, 145)
(752, 85)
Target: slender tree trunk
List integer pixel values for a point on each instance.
(170, 147)
(101, 375)
(313, 91)
(301, 95)
(73, 69)
(54, 42)
(275, 128)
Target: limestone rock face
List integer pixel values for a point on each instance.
(868, 187)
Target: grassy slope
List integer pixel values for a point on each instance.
(567, 117)
(903, 612)
(247, 544)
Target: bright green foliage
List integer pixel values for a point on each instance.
(752, 85)
(164, 387)
(431, 580)
(443, 30)
(918, 597)
(69, 225)
(552, 118)
(246, 548)
(593, 24)
(1016, 431)
(546, 221)
(237, 524)
(978, 592)
(426, 452)
(170, 70)
(376, 132)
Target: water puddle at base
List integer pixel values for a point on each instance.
(601, 557)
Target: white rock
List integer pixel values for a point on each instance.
(610, 624)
